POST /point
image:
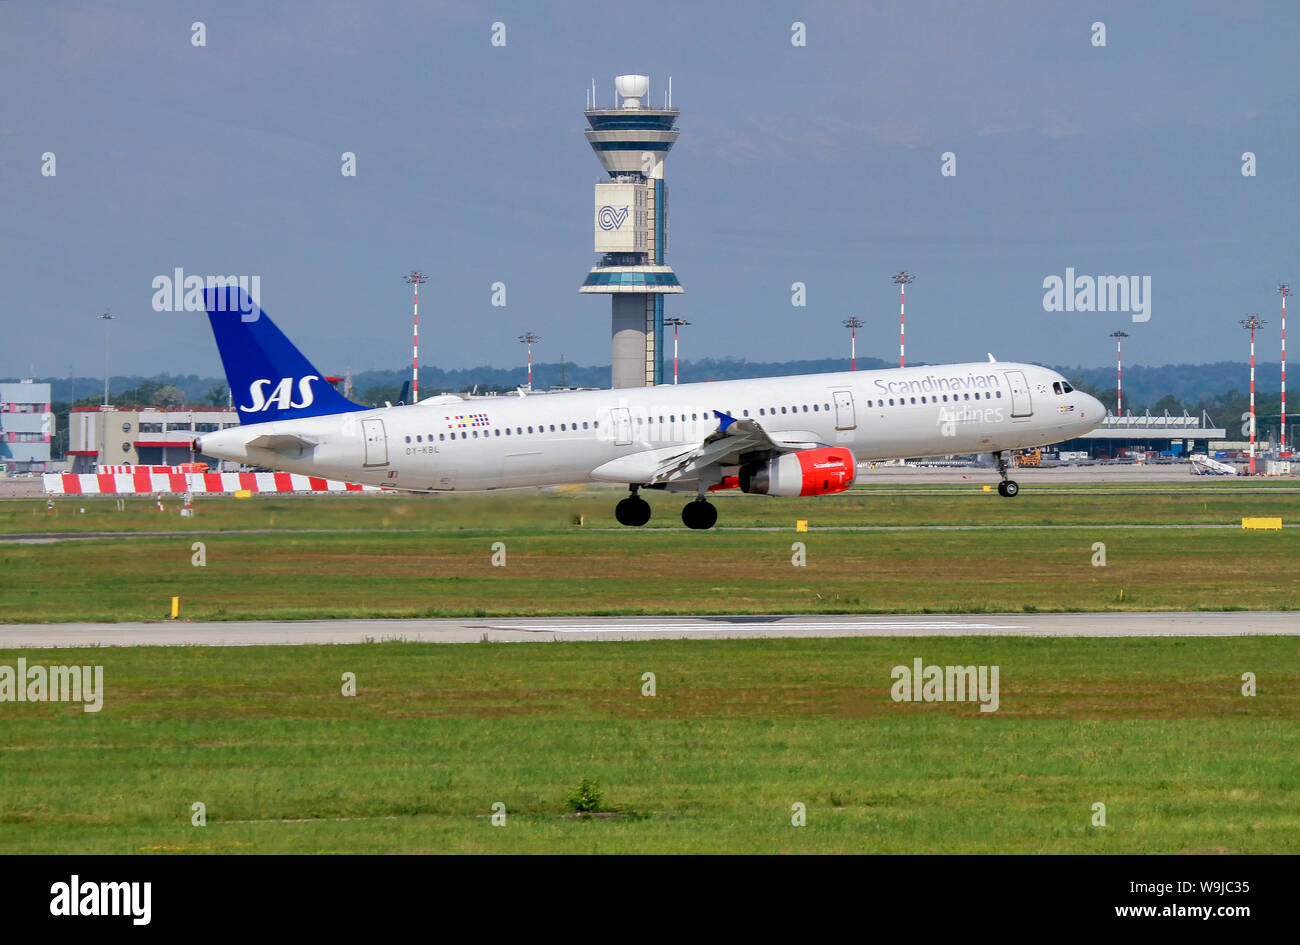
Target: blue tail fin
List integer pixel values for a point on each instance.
(269, 378)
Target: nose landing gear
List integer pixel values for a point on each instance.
(1007, 488)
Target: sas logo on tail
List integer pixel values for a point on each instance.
(281, 398)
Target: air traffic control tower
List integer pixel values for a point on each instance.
(631, 226)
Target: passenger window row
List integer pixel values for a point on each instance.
(1058, 387)
(772, 411)
(497, 431)
(934, 399)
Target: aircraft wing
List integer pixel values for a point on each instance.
(723, 447)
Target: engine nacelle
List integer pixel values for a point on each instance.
(807, 472)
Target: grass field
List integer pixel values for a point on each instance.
(738, 732)
(936, 549)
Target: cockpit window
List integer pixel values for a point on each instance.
(1065, 385)
(1056, 387)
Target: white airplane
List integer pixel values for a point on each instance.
(778, 436)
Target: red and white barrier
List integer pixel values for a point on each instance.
(142, 482)
(129, 469)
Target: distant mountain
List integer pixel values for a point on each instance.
(1188, 383)
(67, 389)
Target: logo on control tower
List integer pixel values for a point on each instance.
(611, 218)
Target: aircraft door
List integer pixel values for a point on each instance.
(1022, 406)
(844, 415)
(376, 442)
(622, 426)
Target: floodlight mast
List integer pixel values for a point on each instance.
(676, 323)
(106, 318)
(853, 323)
(529, 338)
(1252, 322)
(414, 278)
(1119, 337)
(902, 279)
(1285, 289)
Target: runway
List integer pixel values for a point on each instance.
(549, 629)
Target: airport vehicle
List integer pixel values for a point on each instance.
(1032, 457)
(1202, 465)
(778, 436)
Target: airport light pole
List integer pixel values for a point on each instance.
(414, 278)
(853, 323)
(676, 323)
(530, 339)
(1252, 322)
(902, 279)
(1285, 290)
(1119, 337)
(106, 318)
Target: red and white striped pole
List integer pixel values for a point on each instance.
(676, 322)
(1119, 337)
(1285, 290)
(1252, 400)
(853, 324)
(528, 338)
(1252, 322)
(902, 279)
(415, 277)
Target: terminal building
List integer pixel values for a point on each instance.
(630, 224)
(1176, 435)
(26, 427)
(141, 436)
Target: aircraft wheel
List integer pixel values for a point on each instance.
(1009, 489)
(633, 511)
(699, 514)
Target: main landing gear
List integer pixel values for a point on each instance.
(1007, 488)
(699, 513)
(633, 511)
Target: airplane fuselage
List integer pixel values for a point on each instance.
(453, 444)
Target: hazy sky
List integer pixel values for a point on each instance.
(819, 164)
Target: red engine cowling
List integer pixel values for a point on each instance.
(807, 472)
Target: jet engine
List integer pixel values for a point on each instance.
(808, 472)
